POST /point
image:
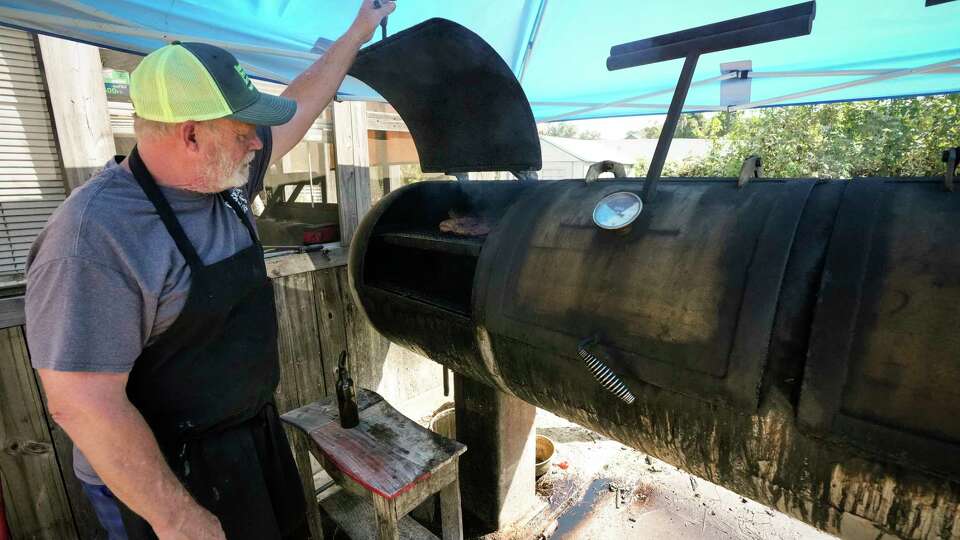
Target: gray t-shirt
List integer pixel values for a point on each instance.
(105, 278)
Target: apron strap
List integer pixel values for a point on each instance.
(149, 187)
(232, 203)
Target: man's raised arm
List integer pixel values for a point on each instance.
(316, 87)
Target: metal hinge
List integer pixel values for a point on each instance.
(752, 168)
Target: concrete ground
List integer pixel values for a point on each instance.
(597, 488)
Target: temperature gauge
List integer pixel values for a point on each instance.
(617, 210)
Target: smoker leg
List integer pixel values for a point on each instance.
(497, 472)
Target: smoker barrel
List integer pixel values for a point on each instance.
(794, 341)
(822, 314)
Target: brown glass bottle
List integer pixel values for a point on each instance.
(346, 395)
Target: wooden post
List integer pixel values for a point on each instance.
(301, 372)
(33, 492)
(353, 165)
(74, 79)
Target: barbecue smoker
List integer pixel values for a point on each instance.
(793, 340)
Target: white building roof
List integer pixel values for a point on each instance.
(626, 151)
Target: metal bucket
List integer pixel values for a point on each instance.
(444, 422)
(545, 451)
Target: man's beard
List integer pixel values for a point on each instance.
(223, 174)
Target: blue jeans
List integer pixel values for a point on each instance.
(107, 509)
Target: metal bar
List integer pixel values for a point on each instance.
(624, 101)
(704, 108)
(741, 23)
(773, 25)
(94, 12)
(627, 104)
(838, 73)
(851, 84)
(534, 33)
(28, 19)
(669, 127)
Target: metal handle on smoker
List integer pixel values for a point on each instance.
(603, 374)
(604, 166)
(951, 157)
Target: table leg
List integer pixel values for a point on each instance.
(450, 514)
(387, 519)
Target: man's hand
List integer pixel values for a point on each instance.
(195, 523)
(369, 17)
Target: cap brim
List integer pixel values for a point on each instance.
(267, 110)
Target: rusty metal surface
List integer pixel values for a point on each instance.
(884, 362)
(684, 299)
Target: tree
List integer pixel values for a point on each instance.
(689, 126)
(565, 130)
(892, 137)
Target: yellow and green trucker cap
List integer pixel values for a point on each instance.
(196, 81)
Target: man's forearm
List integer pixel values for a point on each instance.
(314, 89)
(120, 446)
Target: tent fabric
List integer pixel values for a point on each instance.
(558, 48)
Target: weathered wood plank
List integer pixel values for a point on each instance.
(331, 323)
(353, 165)
(306, 262)
(74, 78)
(367, 348)
(357, 517)
(451, 515)
(34, 494)
(423, 490)
(301, 375)
(11, 312)
(388, 522)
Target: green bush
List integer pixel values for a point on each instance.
(892, 137)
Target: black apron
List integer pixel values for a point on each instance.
(206, 387)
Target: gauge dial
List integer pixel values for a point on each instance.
(617, 210)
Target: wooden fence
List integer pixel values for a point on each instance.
(317, 320)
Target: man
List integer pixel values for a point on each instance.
(149, 314)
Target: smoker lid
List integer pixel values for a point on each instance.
(463, 106)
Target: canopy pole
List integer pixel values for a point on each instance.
(669, 127)
(659, 106)
(92, 11)
(626, 101)
(534, 33)
(841, 86)
(838, 73)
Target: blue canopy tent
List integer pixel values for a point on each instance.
(859, 49)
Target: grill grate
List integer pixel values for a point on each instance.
(435, 241)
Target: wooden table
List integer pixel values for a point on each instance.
(388, 458)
